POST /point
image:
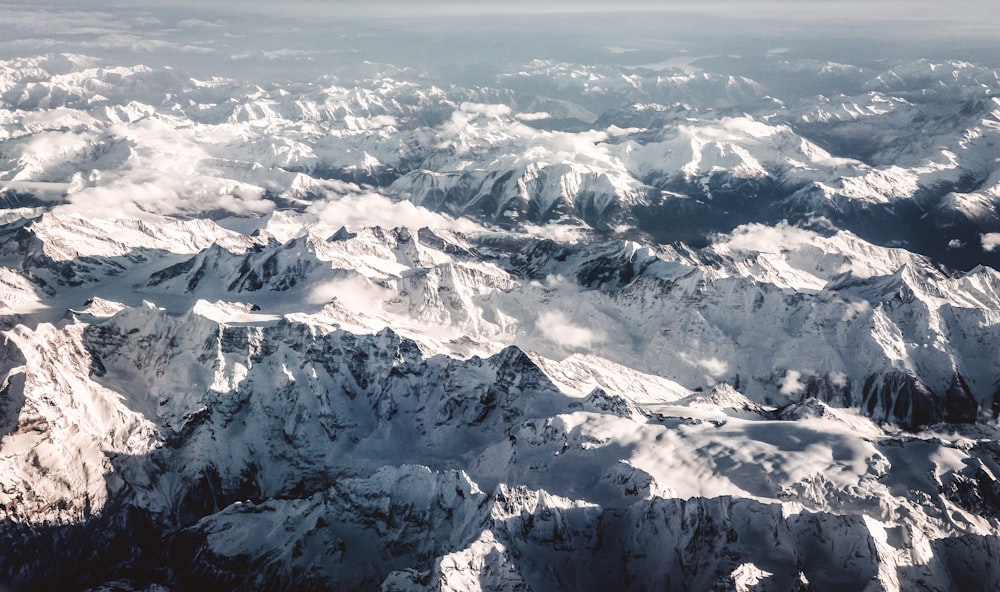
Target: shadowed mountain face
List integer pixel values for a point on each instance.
(498, 298)
(150, 444)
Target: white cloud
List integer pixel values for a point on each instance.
(534, 116)
(165, 195)
(490, 111)
(353, 292)
(792, 384)
(377, 122)
(194, 23)
(372, 209)
(991, 240)
(25, 21)
(161, 168)
(560, 233)
(461, 128)
(767, 239)
(139, 44)
(714, 366)
(274, 55)
(557, 328)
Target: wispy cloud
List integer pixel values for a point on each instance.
(353, 292)
(557, 327)
(140, 44)
(760, 238)
(791, 384)
(274, 55)
(348, 205)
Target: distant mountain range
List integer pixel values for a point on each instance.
(593, 327)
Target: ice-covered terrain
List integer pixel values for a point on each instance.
(703, 324)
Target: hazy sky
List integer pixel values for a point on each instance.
(303, 37)
(971, 13)
(976, 13)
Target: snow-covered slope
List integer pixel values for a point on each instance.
(694, 150)
(670, 333)
(366, 393)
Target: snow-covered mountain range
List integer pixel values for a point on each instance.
(591, 327)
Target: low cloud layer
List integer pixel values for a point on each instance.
(473, 30)
(357, 209)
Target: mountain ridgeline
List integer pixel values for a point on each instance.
(589, 328)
